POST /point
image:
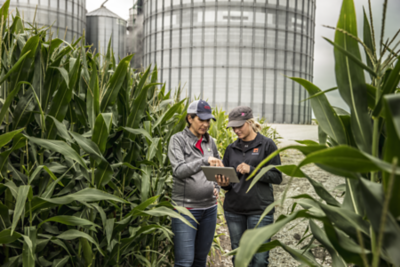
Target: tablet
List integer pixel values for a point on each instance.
(230, 172)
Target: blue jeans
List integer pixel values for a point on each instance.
(191, 245)
(237, 224)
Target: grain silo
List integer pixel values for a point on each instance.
(67, 17)
(102, 24)
(235, 52)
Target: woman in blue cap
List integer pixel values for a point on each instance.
(188, 151)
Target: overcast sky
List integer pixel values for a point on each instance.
(327, 13)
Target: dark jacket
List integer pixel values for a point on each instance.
(191, 188)
(261, 195)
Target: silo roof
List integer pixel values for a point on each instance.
(103, 12)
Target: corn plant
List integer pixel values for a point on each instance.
(84, 177)
(361, 146)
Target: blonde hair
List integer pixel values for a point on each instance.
(256, 126)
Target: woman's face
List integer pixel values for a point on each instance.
(199, 127)
(243, 131)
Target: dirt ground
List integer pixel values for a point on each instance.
(294, 231)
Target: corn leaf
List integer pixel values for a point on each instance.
(350, 77)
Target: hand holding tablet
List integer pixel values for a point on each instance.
(213, 172)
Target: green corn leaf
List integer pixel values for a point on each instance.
(350, 78)
(141, 207)
(354, 59)
(4, 10)
(145, 182)
(60, 147)
(6, 237)
(304, 149)
(371, 96)
(368, 40)
(151, 152)
(61, 128)
(142, 82)
(320, 235)
(347, 159)
(10, 98)
(22, 72)
(15, 67)
(164, 211)
(138, 108)
(39, 169)
(88, 146)
(7, 137)
(69, 220)
(373, 197)
(322, 136)
(138, 132)
(320, 93)
(109, 230)
(87, 251)
(23, 192)
(29, 247)
(389, 87)
(60, 262)
(115, 83)
(103, 174)
(5, 221)
(73, 234)
(23, 112)
(252, 239)
(64, 74)
(392, 103)
(327, 118)
(101, 130)
(93, 97)
(168, 115)
(58, 108)
(85, 195)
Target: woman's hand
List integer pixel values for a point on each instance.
(222, 180)
(215, 162)
(216, 193)
(243, 168)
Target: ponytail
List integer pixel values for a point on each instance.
(256, 126)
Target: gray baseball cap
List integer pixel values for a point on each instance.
(202, 109)
(239, 115)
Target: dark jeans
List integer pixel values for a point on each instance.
(192, 246)
(237, 224)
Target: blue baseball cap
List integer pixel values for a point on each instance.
(202, 109)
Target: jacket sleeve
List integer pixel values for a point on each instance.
(272, 176)
(216, 155)
(180, 168)
(225, 161)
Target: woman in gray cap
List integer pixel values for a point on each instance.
(188, 151)
(243, 210)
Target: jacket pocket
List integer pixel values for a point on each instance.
(264, 194)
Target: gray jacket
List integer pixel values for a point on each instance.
(191, 188)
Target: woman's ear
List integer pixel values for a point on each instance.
(190, 119)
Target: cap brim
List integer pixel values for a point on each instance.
(235, 124)
(205, 116)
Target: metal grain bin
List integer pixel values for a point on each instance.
(67, 16)
(235, 52)
(102, 24)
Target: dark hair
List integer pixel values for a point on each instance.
(192, 115)
(187, 120)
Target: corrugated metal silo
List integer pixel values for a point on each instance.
(101, 25)
(63, 14)
(235, 52)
